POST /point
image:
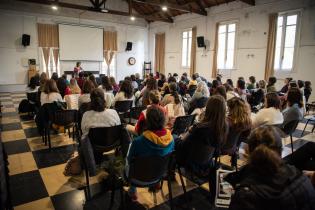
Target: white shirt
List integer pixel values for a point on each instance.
(267, 116)
(120, 96)
(93, 119)
(109, 97)
(84, 98)
(72, 101)
(49, 98)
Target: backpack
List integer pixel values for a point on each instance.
(25, 106)
(73, 166)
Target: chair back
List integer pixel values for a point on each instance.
(231, 143)
(47, 111)
(123, 106)
(105, 138)
(136, 111)
(33, 97)
(149, 168)
(290, 127)
(65, 117)
(203, 155)
(182, 123)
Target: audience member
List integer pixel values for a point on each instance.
(62, 86)
(93, 80)
(161, 80)
(252, 83)
(50, 93)
(134, 82)
(193, 81)
(125, 92)
(108, 91)
(151, 84)
(80, 79)
(88, 86)
(271, 85)
(114, 85)
(99, 115)
(270, 114)
(294, 110)
(241, 89)
(266, 182)
(73, 87)
(54, 76)
(307, 90)
(42, 81)
(285, 88)
(32, 87)
(156, 140)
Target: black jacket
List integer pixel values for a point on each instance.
(289, 189)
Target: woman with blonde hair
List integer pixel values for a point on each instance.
(239, 115)
(73, 87)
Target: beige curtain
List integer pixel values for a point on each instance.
(56, 55)
(48, 35)
(110, 41)
(271, 46)
(109, 46)
(215, 53)
(193, 51)
(46, 52)
(159, 65)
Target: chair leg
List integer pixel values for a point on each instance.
(291, 142)
(49, 141)
(181, 179)
(112, 194)
(304, 128)
(169, 184)
(122, 197)
(87, 182)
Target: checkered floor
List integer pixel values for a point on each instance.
(36, 174)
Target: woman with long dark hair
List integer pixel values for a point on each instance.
(50, 93)
(125, 92)
(266, 182)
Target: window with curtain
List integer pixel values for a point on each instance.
(186, 47)
(112, 68)
(226, 45)
(286, 41)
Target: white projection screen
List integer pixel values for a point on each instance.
(80, 43)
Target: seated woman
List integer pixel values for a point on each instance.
(156, 140)
(230, 93)
(239, 120)
(266, 182)
(98, 116)
(270, 114)
(114, 85)
(193, 81)
(271, 86)
(257, 96)
(154, 100)
(151, 84)
(294, 110)
(209, 132)
(32, 87)
(125, 92)
(88, 86)
(202, 91)
(173, 104)
(108, 91)
(73, 87)
(50, 93)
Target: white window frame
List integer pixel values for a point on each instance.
(187, 54)
(236, 22)
(283, 36)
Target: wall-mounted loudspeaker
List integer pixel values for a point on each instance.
(129, 46)
(201, 41)
(26, 40)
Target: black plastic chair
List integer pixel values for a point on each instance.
(135, 113)
(182, 123)
(122, 108)
(156, 168)
(103, 139)
(204, 154)
(289, 129)
(310, 120)
(231, 146)
(33, 99)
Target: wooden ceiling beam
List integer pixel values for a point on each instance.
(177, 7)
(93, 9)
(201, 7)
(250, 2)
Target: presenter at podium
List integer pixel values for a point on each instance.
(77, 69)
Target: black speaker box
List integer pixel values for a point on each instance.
(201, 41)
(129, 46)
(26, 40)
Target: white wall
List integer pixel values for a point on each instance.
(251, 38)
(14, 57)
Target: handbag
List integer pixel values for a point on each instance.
(73, 165)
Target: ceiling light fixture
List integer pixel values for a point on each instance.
(132, 18)
(54, 7)
(164, 8)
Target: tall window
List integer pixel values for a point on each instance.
(112, 68)
(226, 45)
(186, 48)
(286, 41)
